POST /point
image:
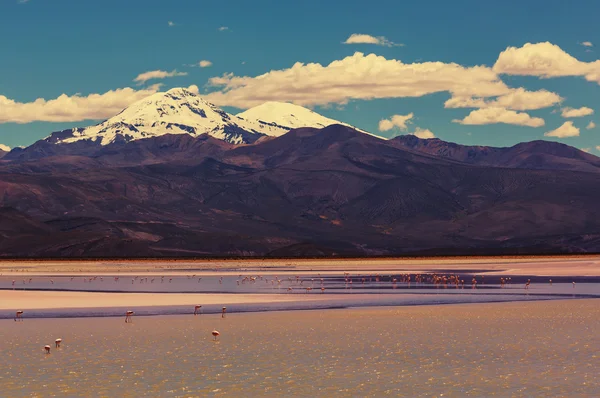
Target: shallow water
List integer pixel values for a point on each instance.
(509, 349)
(324, 291)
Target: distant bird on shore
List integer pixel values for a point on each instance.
(19, 314)
(47, 348)
(128, 316)
(216, 334)
(57, 342)
(197, 309)
(223, 311)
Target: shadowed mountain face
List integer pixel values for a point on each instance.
(310, 192)
(528, 155)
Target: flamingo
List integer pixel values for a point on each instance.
(128, 316)
(197, 308)
(19, 315)
(223, 312)
(57, 342)
(47, 348)
(216, 334)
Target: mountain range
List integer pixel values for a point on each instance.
(174, 176)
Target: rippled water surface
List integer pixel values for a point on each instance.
(529, 349)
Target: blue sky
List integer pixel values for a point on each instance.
(83, 48)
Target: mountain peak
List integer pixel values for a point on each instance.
(291, 116)
(176, 111)
(4, 148)
(183, 111)
(180, 90)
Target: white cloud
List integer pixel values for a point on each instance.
(171, 23)
(423, 133)
(223, 28)
(4, 148)
(566, 130)
(587, 44)
(157, 74)
(204, 63)
(22, 1)
(360, 38)
(72, 108)
(194, 89)
(495, 115)
(355, 77)
(517, 99)
(588, 150)
(572, 112)
(590, 125)
(598, 148)
(544, 60)
(399, 121)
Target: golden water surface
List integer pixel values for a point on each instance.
(525, 349)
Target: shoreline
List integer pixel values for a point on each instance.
(588, 265)
(61, 304)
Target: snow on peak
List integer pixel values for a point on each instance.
(4, 148)
(176, 111)
(184, 111)
(290, 116)
(287, 114)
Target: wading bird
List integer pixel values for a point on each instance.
(128, 316)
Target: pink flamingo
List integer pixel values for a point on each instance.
(216, 334)
(57, 342)
(197, 309)
(128, 316)
(47, 348)
(223, 312)
(19, 315)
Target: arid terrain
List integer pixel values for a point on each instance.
(331, 192)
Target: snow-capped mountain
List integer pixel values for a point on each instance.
(177, 111)
(4, 148)
(287, 115)
(181, 111)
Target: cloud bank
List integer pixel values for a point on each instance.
(358, 76)
(544, 60)
(72, 108)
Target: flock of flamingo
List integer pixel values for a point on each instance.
(128, 319)
(437, 280)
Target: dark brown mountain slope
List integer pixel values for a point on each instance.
(528, 155)
(333, 191)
